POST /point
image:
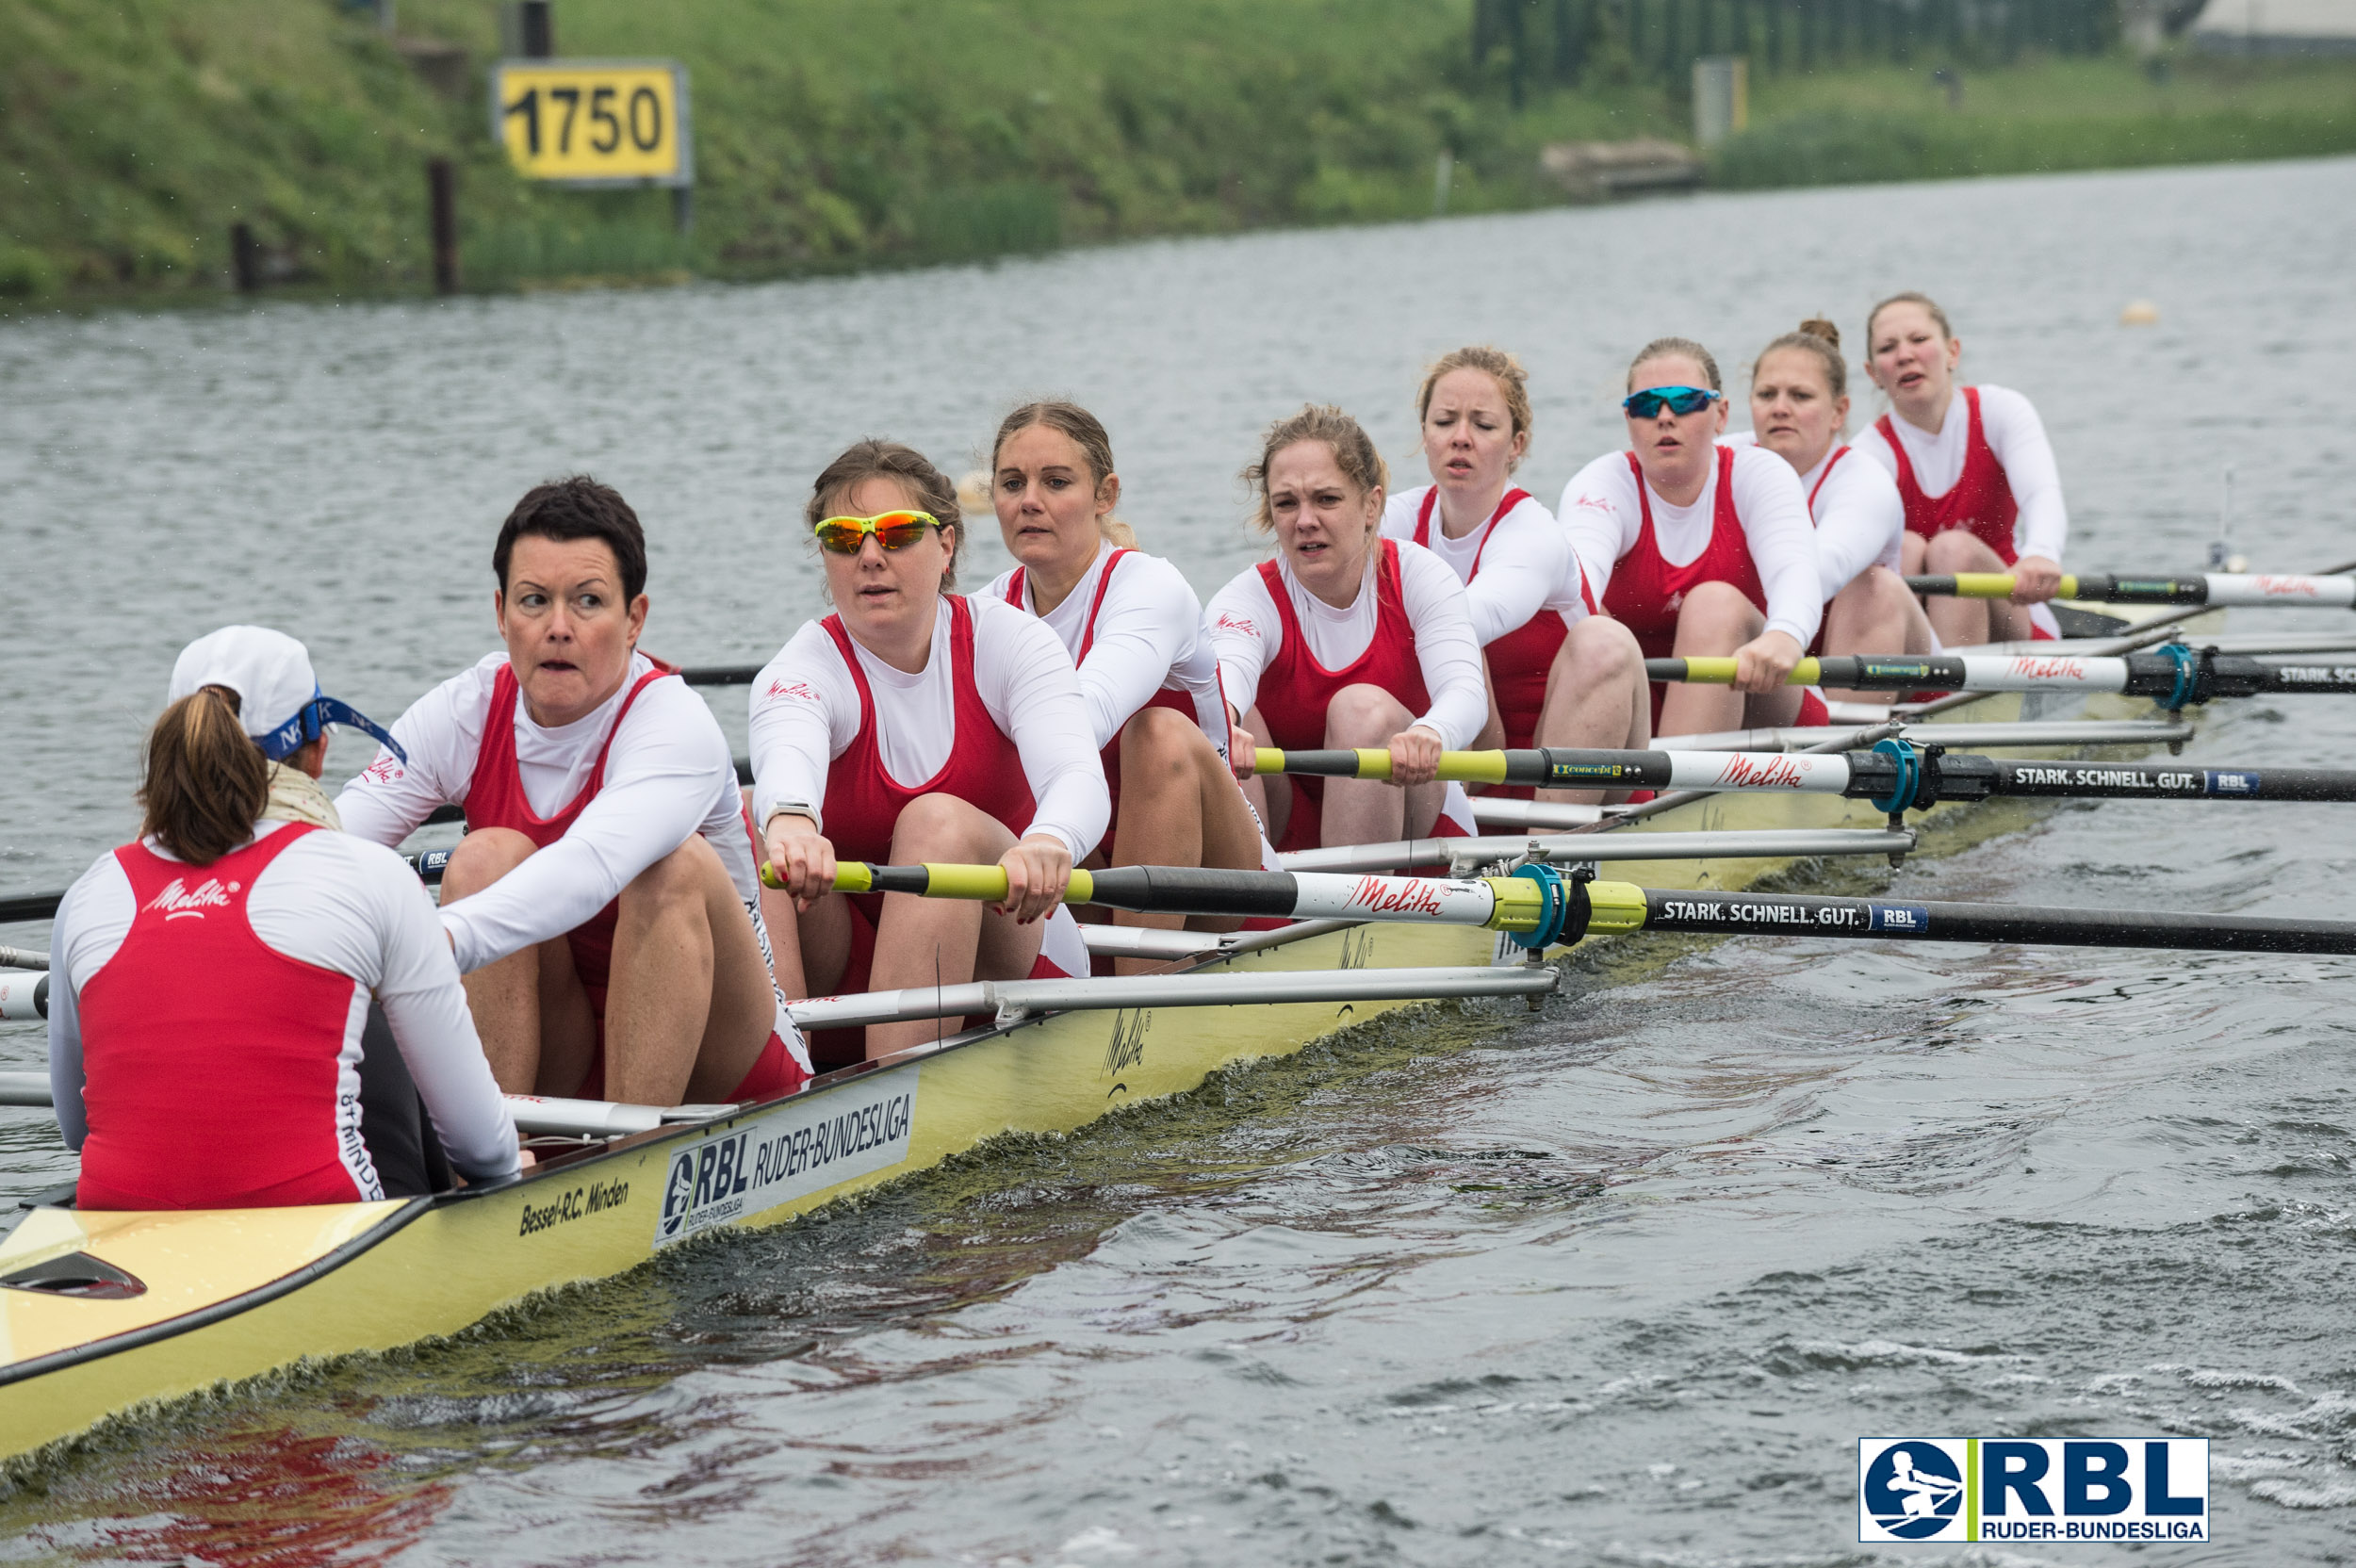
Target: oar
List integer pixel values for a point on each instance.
(1539, 906)
(2174, 677)
(2215, 589)
(1896, 774)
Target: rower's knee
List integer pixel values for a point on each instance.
(1154, 744)
(943, 828)
(1718, 614)
(1956, 550)
(1599, 650)
(481, 857)
(686, 876)
(1364, 716)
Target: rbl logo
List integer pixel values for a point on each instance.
(2033, 1488)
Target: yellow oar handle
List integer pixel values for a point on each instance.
(985, 883)
(1999, 585)
(1720, 672)
(1464, 767)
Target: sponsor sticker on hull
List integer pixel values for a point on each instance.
(804, 1146)
(2049, 1489)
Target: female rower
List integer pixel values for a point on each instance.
(1980, 491)
(915, 724)
(1701, 549)
(213, 978)
(1559, 674)
(1346, 639)
(1135, 629)
(1799, 410)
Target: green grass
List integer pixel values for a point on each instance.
(837, 134)
(1884, 123)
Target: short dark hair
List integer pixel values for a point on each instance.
(577, 508)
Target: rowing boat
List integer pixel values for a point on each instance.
(102, 1313)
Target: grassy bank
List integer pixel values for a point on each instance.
(2110, 112)
(834, 134)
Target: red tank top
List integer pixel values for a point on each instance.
(1518, 661)
(985, 768)
(1646, 592)
(1163, 697)
(218, 1074)
(1980, 501)
(1296, 690)
(495, 798)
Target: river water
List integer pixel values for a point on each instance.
(1621, 1282)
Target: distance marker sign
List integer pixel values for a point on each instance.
(594, 121)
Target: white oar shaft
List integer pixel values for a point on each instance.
(2332, 593)
(1015, 998)
(537, 1116)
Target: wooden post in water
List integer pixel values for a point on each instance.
(441, 183)
(245, 258)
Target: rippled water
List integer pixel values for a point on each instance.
(1620, 1282)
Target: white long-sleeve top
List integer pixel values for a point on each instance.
(1861, 522)
(669, 774)
(338, 904)
(1249, 635)
(1606, 517)
(2015, 434)
(805, 713)
(1149, 634)
(1527, 562)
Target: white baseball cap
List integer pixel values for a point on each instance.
(278, 697)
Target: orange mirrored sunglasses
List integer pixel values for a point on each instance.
(894, 530)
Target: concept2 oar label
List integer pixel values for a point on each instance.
(804, 1146)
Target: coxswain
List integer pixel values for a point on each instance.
(916, 724)
(1982, 493)
(213, 979)
(1346, 639)
(1800, 411)
(1559, 674)
(603, 904)
(1136, 630)
(1701, 550)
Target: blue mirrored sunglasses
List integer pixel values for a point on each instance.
(1680, 400)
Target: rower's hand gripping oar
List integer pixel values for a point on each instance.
(1539, 906)
(1896, 774)
(2215, 588)
(2173, 676)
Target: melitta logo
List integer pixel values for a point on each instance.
(1395, 895)
(2033, 1488)
(2286, 587)
(799, 691)
(383, 770)
(1756, 773)
(178, 901)
(1229, 621)
(2049, 669)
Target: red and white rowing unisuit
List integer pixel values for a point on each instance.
(604, 798)
(1134, 628)
(1988, 471)
(1522, 583)
(243, 986)
(994, 718)
(1749, 528)
(1858, 519)
(1407, 632)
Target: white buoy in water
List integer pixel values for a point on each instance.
(2139, 313)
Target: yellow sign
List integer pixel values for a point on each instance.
(594, 121)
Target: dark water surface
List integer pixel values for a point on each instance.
(1620, 1282)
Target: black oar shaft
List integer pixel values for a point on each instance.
(1767, 914)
